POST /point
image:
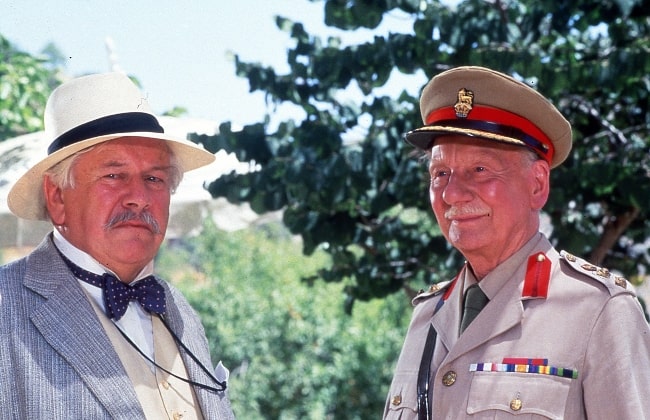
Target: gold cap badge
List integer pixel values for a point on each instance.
(464, 103)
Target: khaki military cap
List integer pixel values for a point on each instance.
(479, 102)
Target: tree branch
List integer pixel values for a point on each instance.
(584, 106)
(614, 228)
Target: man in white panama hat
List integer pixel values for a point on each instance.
(522, 330)
(86, 330)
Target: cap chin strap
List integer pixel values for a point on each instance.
(499, 132)
(487, 121)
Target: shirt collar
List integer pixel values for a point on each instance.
(492, 283)
(88, 263)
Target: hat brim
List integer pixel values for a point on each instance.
(424, 138)
(26, 199)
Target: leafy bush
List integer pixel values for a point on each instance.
(292, 350)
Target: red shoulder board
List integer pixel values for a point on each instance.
(538, 275)
(450, 288)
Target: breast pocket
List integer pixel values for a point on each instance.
(531, 396)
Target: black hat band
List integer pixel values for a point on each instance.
(112, 124)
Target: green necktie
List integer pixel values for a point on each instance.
(475, 301)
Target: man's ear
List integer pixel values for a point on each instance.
(540, 184)
(54, 201)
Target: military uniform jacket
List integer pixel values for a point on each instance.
(559, 339)
(57, 361)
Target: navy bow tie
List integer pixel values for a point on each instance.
(117, 295)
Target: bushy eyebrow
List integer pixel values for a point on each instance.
(120, 164)
(113, 164)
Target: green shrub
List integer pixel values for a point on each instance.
(292, 350)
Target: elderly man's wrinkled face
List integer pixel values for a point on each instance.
(118, 209)
(486, 196)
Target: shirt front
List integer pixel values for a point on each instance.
(136, 322)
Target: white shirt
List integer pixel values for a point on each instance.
(136, 322)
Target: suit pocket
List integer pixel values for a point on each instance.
(502, 395)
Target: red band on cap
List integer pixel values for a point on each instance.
(498, 117)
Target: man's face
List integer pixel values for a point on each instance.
(486, 196)
(118, 209)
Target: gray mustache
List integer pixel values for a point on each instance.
(127, 216)
(467, 210)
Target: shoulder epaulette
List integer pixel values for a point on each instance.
(615, 284)
(433, 290)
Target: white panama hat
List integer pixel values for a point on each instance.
(87, 111)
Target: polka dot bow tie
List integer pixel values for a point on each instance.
(117, 295)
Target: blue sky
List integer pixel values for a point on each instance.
(182, 52)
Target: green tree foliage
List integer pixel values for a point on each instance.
(292, 351)
(365, 202)
(25, 84)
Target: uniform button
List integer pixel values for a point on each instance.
(397, 400)
(177, 416)
(516, 403)
(449, 378)
(165, 384)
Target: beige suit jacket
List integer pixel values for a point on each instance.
(589, 323)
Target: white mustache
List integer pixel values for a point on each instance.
(456, 212)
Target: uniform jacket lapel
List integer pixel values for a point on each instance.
(70, 326)
(504, 312)
(448, 316)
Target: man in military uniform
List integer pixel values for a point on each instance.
(556, 337)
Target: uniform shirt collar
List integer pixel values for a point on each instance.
(492, 283)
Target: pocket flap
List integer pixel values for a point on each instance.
(519, 394)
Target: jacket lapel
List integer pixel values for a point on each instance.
(504, 312)
(446, 320)
(69, 324)
(191, 333)
(501, 314)
(188, 336)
